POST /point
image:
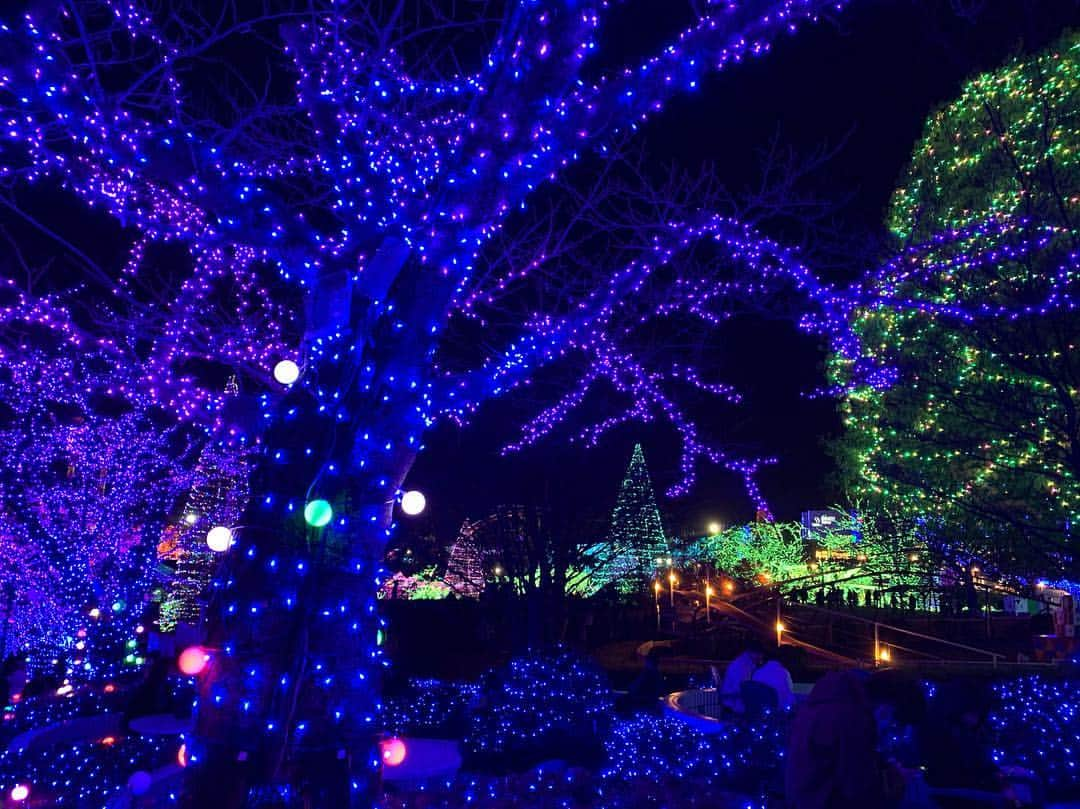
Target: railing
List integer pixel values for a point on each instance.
(993, 657)
(787, 636)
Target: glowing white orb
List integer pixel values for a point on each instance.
(286, 372)
(219, 539)
(20, 792)
(413, 502)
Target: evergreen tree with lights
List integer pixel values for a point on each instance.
(977, 436)
(637, 546)
(465, 567)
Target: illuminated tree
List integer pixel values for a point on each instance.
(465, 567)
(891, 550)
(87, 481)
(217, 498)
(360, 194)
(764, 551)
(637, 545)
(973, 425)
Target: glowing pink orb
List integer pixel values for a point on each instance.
(20, 792)
(193, 660)
(393, 751)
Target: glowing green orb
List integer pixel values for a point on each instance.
(318, 513)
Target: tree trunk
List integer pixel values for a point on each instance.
(288, 704)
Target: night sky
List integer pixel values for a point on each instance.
(866, 82)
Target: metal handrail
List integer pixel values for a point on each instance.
(901, 630)
(789, 638)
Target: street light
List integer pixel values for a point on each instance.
(714, 528)
(708, 610)
(672, 581)
(657, 587)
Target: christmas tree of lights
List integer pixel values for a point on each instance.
(336, 239)
(637, 545)
(465, 567)
(217, 498)
(976, 318)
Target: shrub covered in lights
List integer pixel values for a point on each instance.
(89, 700)
(540, 706)
(648, 760)
(429, 708)
(1036, 724)
(84, 774)
(664, 751)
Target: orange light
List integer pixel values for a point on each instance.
(884, 656)
(779, 627)
(108, 740)
(181, 755)
(393, 751)
(193, 660)
(109, 688)
(729, 587)
(656, 586)
(709, 590)
(671, 578)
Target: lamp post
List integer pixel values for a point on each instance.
(672, 581)
(779, 623)
(986, 596)
(708, 595)
(656, 598)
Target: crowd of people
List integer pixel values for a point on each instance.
(837, 598)
(876, 739)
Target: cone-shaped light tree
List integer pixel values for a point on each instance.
(346, 186)
(637, 546)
